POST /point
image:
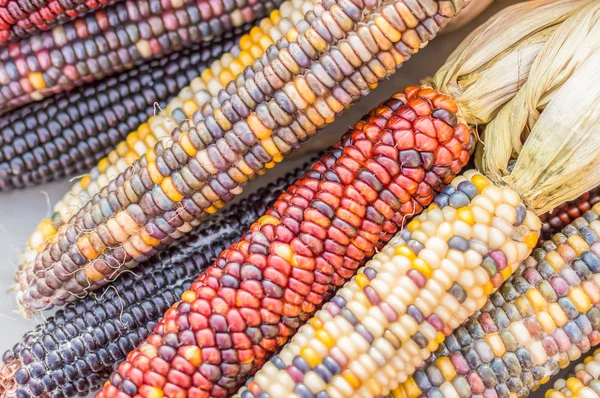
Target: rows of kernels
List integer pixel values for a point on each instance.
(425, 283)
(317, 234)
(24, 18)
(96, 333)
(68, 134)
(111, 40)
(250, 47)
(205, 175)
(540, 320)
(564, 214)
(583, 381)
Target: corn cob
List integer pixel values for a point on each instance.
(251, 46)
(315, 236)
(564, 214)
(21, 19)
(69, 133)
(427, 281)
(97, 332)
(440, 271)
(583, 381)
(112, 40)
(200, 171)
(543, 318)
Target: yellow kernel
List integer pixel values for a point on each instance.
(406, 251)
(256, 33)
(46, 228)
(131, 157)
(85, 247)
(531, 239)
(192, 354)
(496, 344)
(92, 274)
(275, 16)
(537, 301)
(207, 75)
(488, 288)
(245, 58)
(480, 182)
(420, 265)
(186, 144)
(506, 272)
(103, 165)
(316, 323)
(258, 128)
(189, 296)
(270, 165)
(465, 215)
(310, 356)
(154, 392)
(236, 66)
(170, 190)
(265, 42)
(85, 181)
(574, 384)
(268, 219)
(256, 51)
(588, 359)
(132, 138)
(284, 251)
(351, 378)
(411, 388)
(413, 225)
(325, 338)
(150, 155)
(37, 80)
(292, 35)
(211, 210)
(361, 280)
(155, 175)
(580, 299)
(143, 131)
(225, 76)
(555, 260)
(245, 42)
(147, 238)
(189, 107)
(446, 367)
(578, 244)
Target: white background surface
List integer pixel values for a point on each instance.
(21, 211)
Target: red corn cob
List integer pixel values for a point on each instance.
(260, 290)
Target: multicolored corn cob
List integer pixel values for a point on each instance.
(213, 157)
(73, 353)
(425, 283)
(251, 46)
(24, 18)
(583, 381)
(543, 318)
(112, 40)
(558, 218)
(259, 291)
(69, 133)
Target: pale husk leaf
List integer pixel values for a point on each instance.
(560, 159)
(566, 50)
(490, 65)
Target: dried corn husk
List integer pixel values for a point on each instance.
(490, 65)
(559, 159)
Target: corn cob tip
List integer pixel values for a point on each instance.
(8, 385)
